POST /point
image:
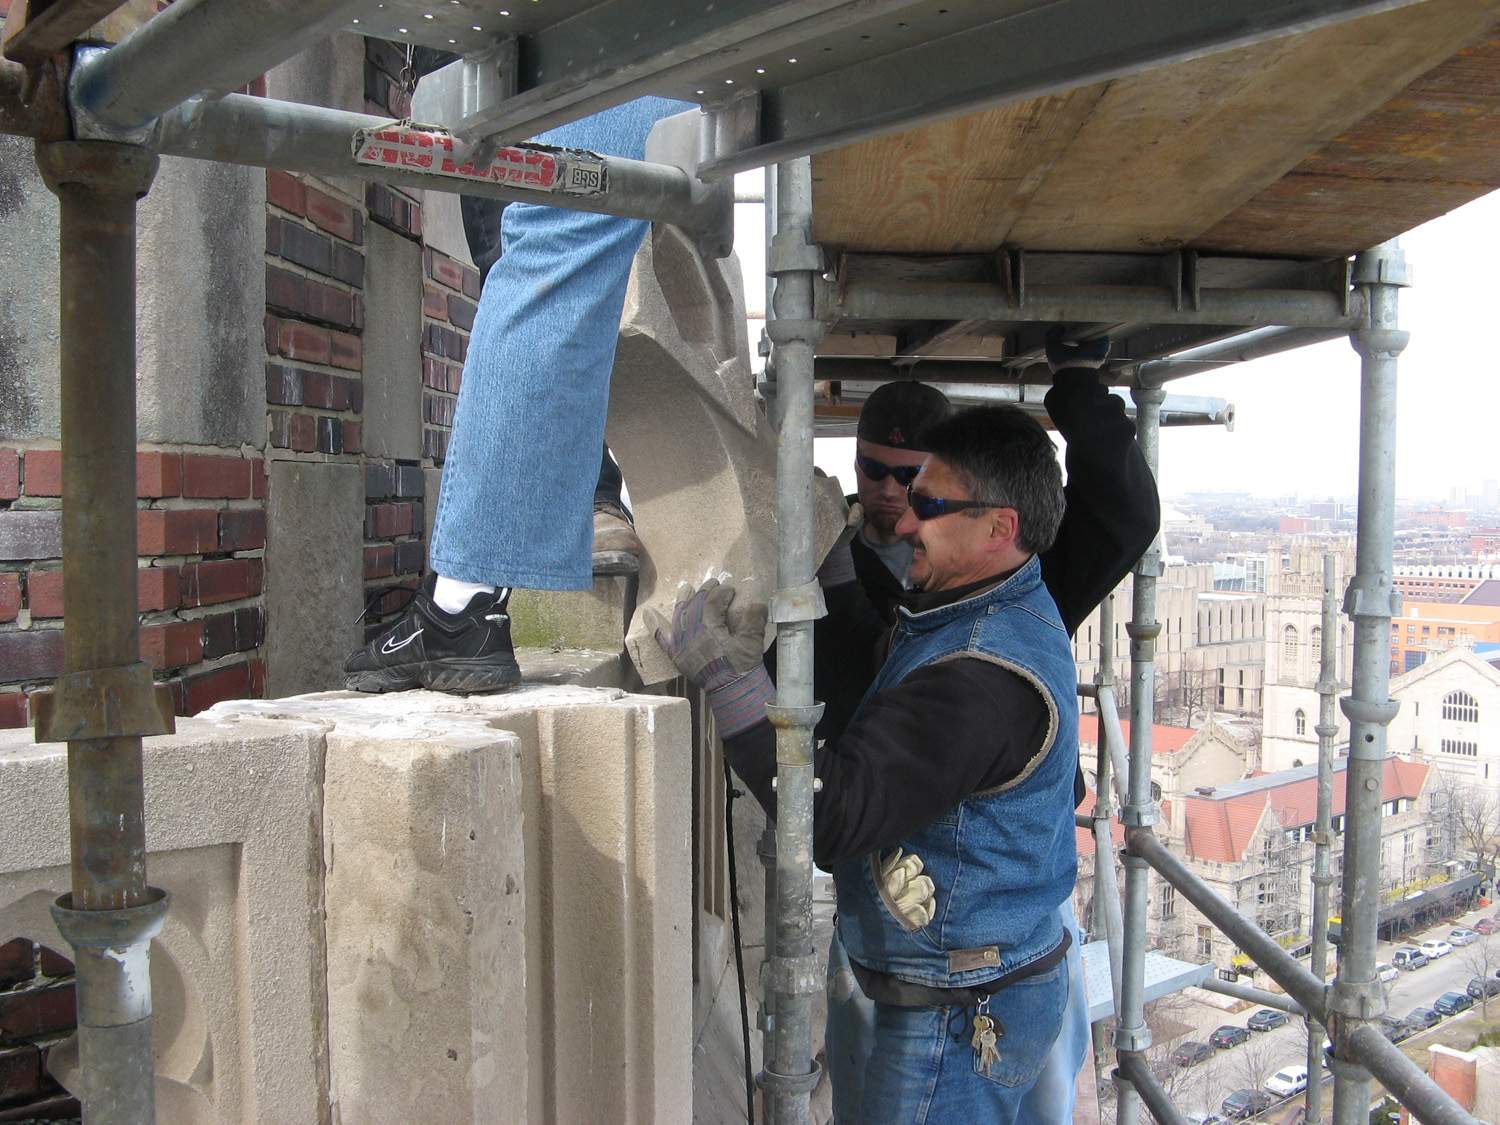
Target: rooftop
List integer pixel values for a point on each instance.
(1164, 739)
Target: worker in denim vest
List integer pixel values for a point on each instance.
(953, 855)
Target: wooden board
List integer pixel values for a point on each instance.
(1149, 162)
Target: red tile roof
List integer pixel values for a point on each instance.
(1219, 826)
(1164, 739)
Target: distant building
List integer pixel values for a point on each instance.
(1485, 542)
(1426, 628)
(1450, 717)
(1451, 583)
(1241, 572)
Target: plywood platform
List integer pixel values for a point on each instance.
(1315, 145)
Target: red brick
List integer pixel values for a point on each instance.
(20, 1074)
(442, 268)
(303, 342)
(204, 690)
(189, 532)
(414, 220)
(380, 562)
(10, 474)
(44, 593)
(17, 963)
(10, 595)
(242, 529)
(347, 351)
(205, 477)
(303, 433)
(12, 712)
(53, 963)
(172, 645)
(30, 654)
(285, 192)
(158, 474)
(224, 580)
(434, 302)
(258, 479)
(36, 1012)
(156, 588)
(331, 215)
(354, 437)
(257, 679)
(43, 472)
(273, 334)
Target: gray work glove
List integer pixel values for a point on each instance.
(717, 645)
(1063, 353)
(837, 567)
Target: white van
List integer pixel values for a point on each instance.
(1385, 971)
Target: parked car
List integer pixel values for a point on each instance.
(1204, 1119)
(1227, 1035)
(1192, 1052)
(1385, 972)
(1395, 1029)
(1268, 1019)
(1246, 1103)
(1287, 1081)
(1451, 1003)
(1462, 936)
(1408, 959)
(1483, 986)
(1435, 948)
(1486, 926)
(1422, 1018)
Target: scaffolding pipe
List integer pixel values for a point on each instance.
(851, 300)
(1112, 736)
(1427, 1101)
(1134, 1067)
(1322, 877)
(790, 1073)
(1131, 1032)
(1255, 996)
(1106, 886)
(1242, 348)
(1356, 995)
(198, 46)
(1280, 965)
(105, 700)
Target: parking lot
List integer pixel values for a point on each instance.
(1202, 1087)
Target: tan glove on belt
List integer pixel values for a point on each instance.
(912, 893)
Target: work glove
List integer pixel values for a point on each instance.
(909, 891)
(837, 567)
(1063, 353)
(717, 644)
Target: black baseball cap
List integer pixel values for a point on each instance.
(899, 414)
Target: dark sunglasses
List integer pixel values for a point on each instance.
(926, 507)
(879, 470)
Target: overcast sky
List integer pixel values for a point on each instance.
(1297, 415)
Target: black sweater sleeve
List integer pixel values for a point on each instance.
(1112, 506)
(916, 750)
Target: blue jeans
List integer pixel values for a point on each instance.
(516, 507)
(885, 1063)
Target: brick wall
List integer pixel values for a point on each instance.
(37, 1012)
(201, 529)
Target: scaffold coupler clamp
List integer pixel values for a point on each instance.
(1382, 265)
(110, 948)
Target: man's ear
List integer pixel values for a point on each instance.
(1005, 526)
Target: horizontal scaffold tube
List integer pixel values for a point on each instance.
(1134, 1066)
(854, 300)
(1404, 1080)
(1254, 995)
(1300, 984)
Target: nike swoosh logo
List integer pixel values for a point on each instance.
(388, 648)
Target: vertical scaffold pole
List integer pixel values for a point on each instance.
(105, 701)
(1356, 995)
(789, 1073)
(1131, 1033)
(1322, 876)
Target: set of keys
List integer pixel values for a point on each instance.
(987, 1031)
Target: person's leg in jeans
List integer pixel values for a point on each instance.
(1051, 1096)
(515, 503)
(848, 1035)
(617, 548)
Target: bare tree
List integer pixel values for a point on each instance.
(1481, 957)
(1467, 819)
(1255, 1061)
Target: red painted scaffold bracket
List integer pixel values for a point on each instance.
(529, 167)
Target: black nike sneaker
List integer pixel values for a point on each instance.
(463, 653)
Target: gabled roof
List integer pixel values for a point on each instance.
(1442, 661)
(1164, 739)
(1221, 824)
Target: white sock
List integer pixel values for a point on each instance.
(452, 596)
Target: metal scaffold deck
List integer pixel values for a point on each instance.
(1204, 183)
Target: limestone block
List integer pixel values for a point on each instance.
(314, 576)
(606, 886)
(28, 296)
(696, 451)
(233, 815)
(200, 305)
(393, 346)
(331, 72)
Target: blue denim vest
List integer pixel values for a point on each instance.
(1004, 859)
